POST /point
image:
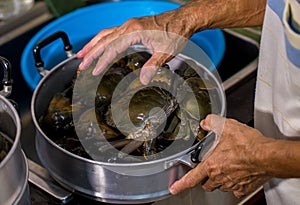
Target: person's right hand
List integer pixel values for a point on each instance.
(236, 164)
(165, 35)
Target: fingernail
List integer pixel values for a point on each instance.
(79, 54)
(146, 78)
(81, 67)
(238, 194)
(96, 72)
(203, 125)
(172, 190)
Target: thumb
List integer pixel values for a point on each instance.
(213, 123)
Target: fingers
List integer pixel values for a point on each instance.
(113, 49)
(191, 179)
(210, 185)
(242, 191)
(247, 188)
(226, 175)
(93, 42)
(230, 186)
(103, 62)
(90, 57)
(107, 44)
(95, 48)
(151, 67)
(224, 183)
(213, 123)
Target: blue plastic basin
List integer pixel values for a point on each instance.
(84, 23)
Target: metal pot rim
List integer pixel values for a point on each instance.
(15, 154)
(18, 131)
(25, 184)
(107, 164)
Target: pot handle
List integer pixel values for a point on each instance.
(39, 63)
(7, 80)
(203, 148)
(195, 156)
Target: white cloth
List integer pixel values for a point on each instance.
(277, 102)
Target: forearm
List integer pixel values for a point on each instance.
(207, 14)
(280, 158)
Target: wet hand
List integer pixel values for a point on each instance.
(234, 165)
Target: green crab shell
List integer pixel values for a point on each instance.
(144, 101)
(138, 112)
(59, 114)
(200, 109)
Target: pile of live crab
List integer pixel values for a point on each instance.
(89, 117)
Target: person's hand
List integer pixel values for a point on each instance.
(163, 34)
(234, 164)
(166, 34)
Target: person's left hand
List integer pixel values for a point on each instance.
(163, 34)
(234, 165)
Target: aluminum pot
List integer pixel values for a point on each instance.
(126, 183)
(13, 168)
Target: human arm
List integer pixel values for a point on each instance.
(192, 17)
(242, 161)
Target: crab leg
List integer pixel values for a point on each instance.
(114, 144)
(130, 147)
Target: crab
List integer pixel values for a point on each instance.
(144, 116)
(133, 118)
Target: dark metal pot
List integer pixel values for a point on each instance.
(13, 168)
(127, 183)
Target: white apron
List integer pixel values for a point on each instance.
(277, 102)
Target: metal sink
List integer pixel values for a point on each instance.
(237, 70)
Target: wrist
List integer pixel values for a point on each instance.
(280, 158)
(265, 155)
